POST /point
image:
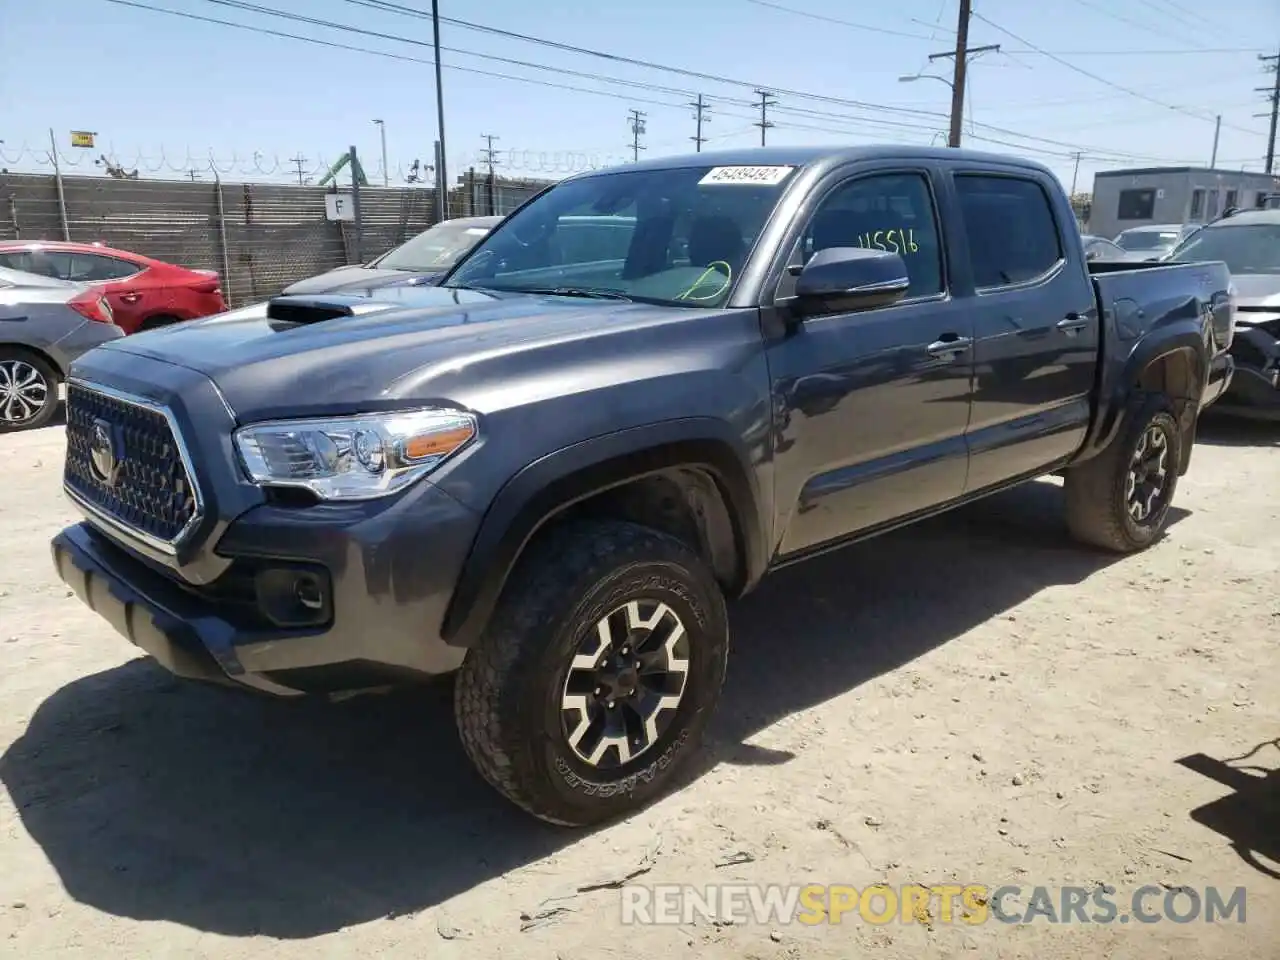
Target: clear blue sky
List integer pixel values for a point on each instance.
(164, 92)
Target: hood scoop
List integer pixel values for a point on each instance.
(299, 310)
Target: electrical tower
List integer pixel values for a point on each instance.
(489, 159)
(962, 53)
(764, 123)
(490, 182)
(1273, 94)
(636, 119)
(300, 162)
(700, 111)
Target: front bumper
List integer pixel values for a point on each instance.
(387, 574)
(1255, 388)
(1222, 372)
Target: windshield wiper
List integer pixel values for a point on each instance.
(585, 292)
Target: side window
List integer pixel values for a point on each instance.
(44, 263)
(892, 212)
(1013, 236)
(90, 268)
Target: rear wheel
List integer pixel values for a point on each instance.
(28, 390)
(597, 674)
(1120, 499)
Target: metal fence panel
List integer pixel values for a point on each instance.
(258, 237)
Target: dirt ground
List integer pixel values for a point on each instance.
(975, 700)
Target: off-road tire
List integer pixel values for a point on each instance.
(52, 381)
(1097, 509)
(507, 699)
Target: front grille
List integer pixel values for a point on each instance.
(123, 460)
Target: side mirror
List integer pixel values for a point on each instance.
(1092, 254)
(840, 279)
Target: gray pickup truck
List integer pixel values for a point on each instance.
(551, 472)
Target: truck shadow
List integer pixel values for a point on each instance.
(1249, 817)
(156, 799)
(1221, 430)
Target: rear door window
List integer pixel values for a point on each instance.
(1012, 233)
(93, 268)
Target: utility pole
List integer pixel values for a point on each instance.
(442, 178)
(193, 174)
(1274, 97)
(491, 184)
(1075, 173)
(1217, 129)
(386, 176)
(961, 53)
(766, 101)
(636, 119)
(700, 115)
(299, 161)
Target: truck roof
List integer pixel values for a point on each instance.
(1246, 217)
(819, 156)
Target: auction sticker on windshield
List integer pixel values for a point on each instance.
(756, 176)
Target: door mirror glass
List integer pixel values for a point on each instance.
(840, 279)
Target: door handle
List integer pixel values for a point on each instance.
(949, 346)
(130, 297)
(1072, 323)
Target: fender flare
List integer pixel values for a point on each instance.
(1125, 385)
(551, 484)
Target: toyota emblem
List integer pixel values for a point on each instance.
(103, 458)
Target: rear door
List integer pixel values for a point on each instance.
(870, 408)
(1035, 320)
(130, 287)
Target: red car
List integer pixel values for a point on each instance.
(143, 293)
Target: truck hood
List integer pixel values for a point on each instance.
(1257, 289)
(409, 341)
(359, 280)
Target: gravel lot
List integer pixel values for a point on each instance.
(974, 700)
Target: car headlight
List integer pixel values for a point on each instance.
(353, 458)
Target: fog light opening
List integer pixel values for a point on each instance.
(309, 592)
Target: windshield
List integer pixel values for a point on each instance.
(1148, 239)
(677, 236)
(437, 248)
(1244, 248)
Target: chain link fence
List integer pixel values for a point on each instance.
(258, 237)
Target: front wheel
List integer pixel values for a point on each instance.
(28, 391)
(598, 673)
(1120, 499)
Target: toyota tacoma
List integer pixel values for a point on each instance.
(551, 472)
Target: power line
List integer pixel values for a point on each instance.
(333, 45)
(854, 104)
(843, 23)
(388, 6)
(1093, 76)
(1146, 26)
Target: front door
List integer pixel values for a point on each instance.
(871, 407)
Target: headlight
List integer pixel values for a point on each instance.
(353, 458)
